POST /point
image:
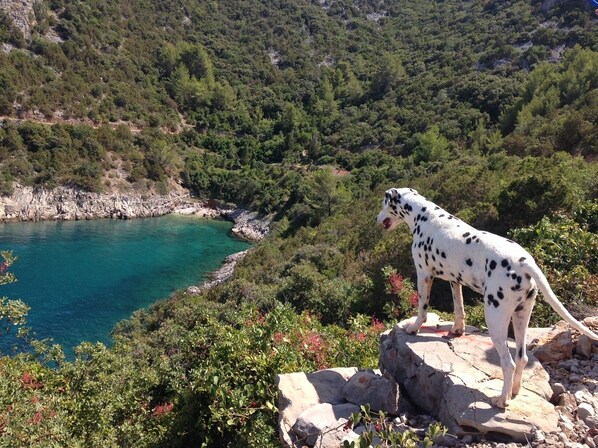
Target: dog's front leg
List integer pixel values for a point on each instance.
(424, 285)
(459, 324)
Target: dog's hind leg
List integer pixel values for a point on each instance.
(459, 324)
(521, 318)
(498, 326)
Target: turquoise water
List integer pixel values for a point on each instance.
(81, 277)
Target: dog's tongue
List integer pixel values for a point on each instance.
(386, 223)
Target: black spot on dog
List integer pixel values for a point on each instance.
(424, 209)
(504, 263)
(493, 265)
(522, 259)
(441, 215)
(492, 301)
(519, 279)
(520, 352)
(425, 306)
(513, 276)
(468, 241)
(519, 308)
(469, 262)
(510, 241)
(531, 293)
(500, 295)
(466, 234)
(529, 277)
(443, 255)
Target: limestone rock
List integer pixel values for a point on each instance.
(66, 203)
(21, 14)
(299, 391)
(380, 392)
(555, 344)
(454, 379)
(248, 225)
(333, 436)
(312, 422)
(584, 411)
(584, 346)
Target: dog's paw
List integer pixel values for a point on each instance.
(500, 402)
(457, 330)
(411, 328)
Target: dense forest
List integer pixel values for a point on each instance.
(305, 111)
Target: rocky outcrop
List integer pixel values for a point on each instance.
(21, 14)
(220, 275)
(248, 225)
(64, 203)
(454, 379)
(315, 407)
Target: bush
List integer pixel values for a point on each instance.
(566, 252)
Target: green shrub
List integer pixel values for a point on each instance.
(566, 252)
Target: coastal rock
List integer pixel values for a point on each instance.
(65, 203)
(248, 225)
(220, 275)
(454, 378)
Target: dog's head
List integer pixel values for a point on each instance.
(395, 207)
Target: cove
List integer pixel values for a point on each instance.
(81, 277)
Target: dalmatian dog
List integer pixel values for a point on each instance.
(502, 271)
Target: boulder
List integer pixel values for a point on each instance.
(333, 436)
(552, 344)
(454, 378)
(583, 347)
(312, 406)
(319, 419)
(299, 391)
(380, 392)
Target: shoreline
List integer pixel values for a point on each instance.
(71, 204)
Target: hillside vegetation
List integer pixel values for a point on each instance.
(308, 111)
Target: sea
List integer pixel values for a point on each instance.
(82, 277)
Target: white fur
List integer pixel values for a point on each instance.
(446, 247)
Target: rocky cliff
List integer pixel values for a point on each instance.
(64, 203)
(21, 14)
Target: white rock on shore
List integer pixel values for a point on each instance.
(65, 203)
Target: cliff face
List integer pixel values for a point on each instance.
(21, 14)
(63, 203)
(28, 204)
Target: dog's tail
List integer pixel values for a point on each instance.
(554, 302)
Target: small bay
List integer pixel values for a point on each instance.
(81, 277)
